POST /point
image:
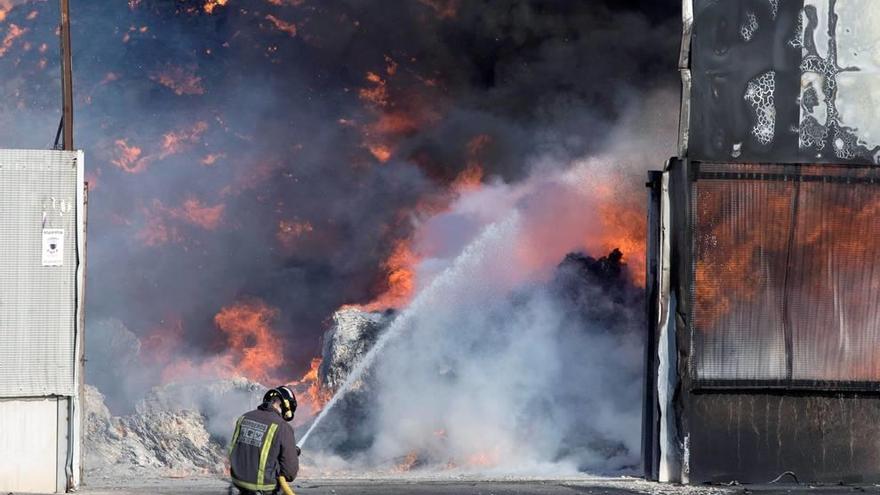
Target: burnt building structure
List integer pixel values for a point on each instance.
(764, 240)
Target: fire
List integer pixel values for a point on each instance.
(156, 232)
(377, 93)
(255, 349)
(13, 33)
(315, 396)
(390, 66)
(471, 178)
(408, 463)
(212, 158)
(395, 118)
(624, 223)
(282, 25)
(159, 230)
(210, 5)
(128, 157)
(795, 252)
(468, 179)
(445, 9)
(394, 123)
(197, 213)
(173, 142)
(388, 128)
(133, 159)
(381, 152)
(181, 80)
(482, 459)
(5, 7)
(400, 269)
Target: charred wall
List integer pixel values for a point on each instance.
(735, 415)
(765, 287)
(754, 436)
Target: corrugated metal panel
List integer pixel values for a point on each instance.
(38, 190)
(28, 445)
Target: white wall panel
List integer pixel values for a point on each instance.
(28, 445)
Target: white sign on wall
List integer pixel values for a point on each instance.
(53, 247)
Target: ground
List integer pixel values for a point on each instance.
(462, 486)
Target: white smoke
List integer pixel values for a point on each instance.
(493, 373)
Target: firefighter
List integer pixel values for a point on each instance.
(264, 446)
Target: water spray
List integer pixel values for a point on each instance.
(461, 266)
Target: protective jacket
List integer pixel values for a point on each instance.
(263, 447)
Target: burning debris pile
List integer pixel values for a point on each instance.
(353, 332)
(592, 306)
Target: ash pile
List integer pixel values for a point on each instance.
(175, 430)
(182, 429)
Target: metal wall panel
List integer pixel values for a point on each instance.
(783, 81)
(28, 445)
(785, 283)
(38, 304)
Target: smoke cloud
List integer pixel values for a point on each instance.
(508, 361)
(275, 153)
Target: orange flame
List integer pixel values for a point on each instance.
(5, 7)
(315, 396)
(483, 459)
(253, 345)
(254, 350)
(282, 25)
(173, 142)
(197, 213)
(210, 5)
(157, 233)
(212, 158)
(445, 9)
(158, 230)
(12, 34)
(400, 268)
(377, 93)
(624, 223)
(181, 80)
(132, 159)
(128, 157)
(381, 152)
(471, 178)
(408, 463)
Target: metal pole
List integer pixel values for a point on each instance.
(66, 77)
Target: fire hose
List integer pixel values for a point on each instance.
(285, 488)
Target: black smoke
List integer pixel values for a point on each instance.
(284, 121)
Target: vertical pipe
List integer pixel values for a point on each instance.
(66, 77)
(650, 406)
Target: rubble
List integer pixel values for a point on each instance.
(353, 332)
(176, 430)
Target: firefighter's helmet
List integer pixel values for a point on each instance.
(285, 396)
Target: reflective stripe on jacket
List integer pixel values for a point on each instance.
(263, 447)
